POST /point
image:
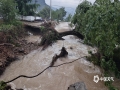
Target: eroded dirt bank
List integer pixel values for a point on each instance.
(58, 78)
(13, 46)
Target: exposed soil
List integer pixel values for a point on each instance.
(14, 44)
(10, 50)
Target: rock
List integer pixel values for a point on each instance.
(63, 52)
(77, 86)
(8, 87)
(71, 88)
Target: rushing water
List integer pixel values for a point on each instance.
(58, 78)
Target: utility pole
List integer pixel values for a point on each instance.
(35, 9)
(50, 9)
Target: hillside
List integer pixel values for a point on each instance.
(43, 4)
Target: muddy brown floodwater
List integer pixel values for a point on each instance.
(58, 78)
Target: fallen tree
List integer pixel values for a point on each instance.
(73, 32)
(50, 35)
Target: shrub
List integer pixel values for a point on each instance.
(8, 10)
(100, 24)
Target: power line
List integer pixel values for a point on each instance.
(35, 8)
(43, 70)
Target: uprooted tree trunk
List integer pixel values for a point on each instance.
(73, 32)
(50, 35)
(63, 53)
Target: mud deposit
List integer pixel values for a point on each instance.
(58, 78)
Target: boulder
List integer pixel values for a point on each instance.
(77, 86)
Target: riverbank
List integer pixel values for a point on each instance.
(58, 78)
(13, 44)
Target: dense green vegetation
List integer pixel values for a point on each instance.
(45, 13)
(8, 10)
(10, 27)
(26, 8)
(58, 14)
(100, 24)
(3, 85)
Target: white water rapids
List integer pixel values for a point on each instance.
(58, 78)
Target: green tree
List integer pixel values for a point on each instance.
(57, 14)
(60, 13)
(26, 8)
(45, 13)
(21, 5)
(80, 13)
(68, 18)
(8, 10)
(100, 24)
